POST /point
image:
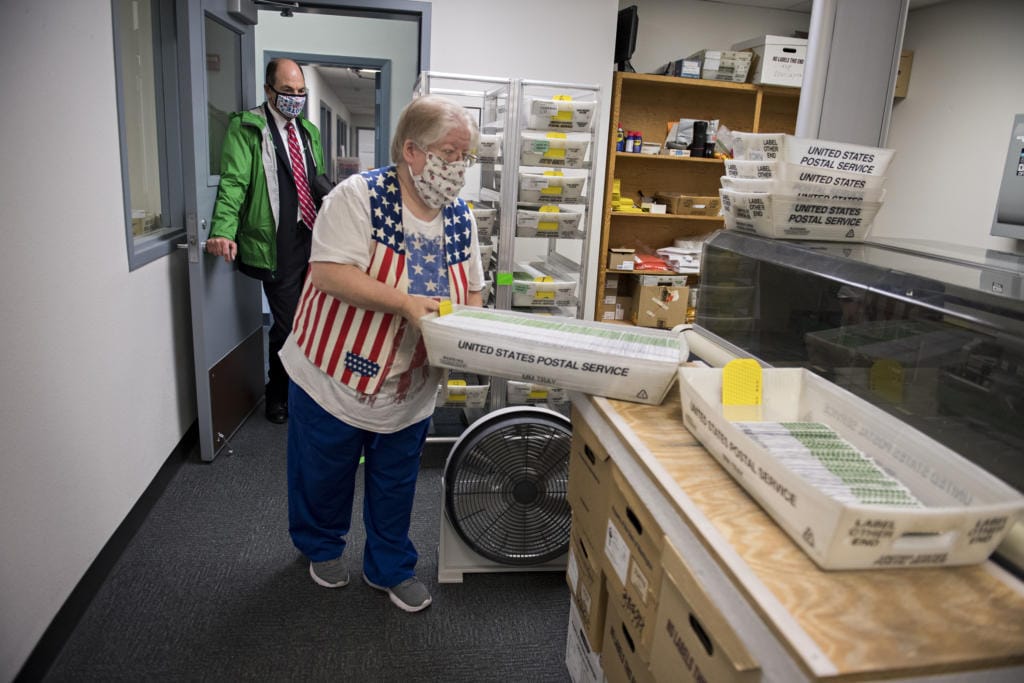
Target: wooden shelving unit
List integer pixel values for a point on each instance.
(648, 103)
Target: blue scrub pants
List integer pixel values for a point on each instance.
(323, 456)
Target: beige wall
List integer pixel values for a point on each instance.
(950, 133)
(97, 369)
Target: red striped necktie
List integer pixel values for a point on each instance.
(306, 205)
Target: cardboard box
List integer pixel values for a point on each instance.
(689, 205)
(692, 641)
(621, 258)
(620, 656)
(595, 358)
(903, 74)
(582, 662)
(616, 308)
(965, 511)
(586, 581)
(590, 482)
(778, 60)
(633, 545)
(660, 301)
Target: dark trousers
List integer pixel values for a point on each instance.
(323, 462)
(283, 297)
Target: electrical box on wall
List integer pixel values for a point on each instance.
(903, 73)
(1009, 218)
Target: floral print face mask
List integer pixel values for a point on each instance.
(440, 181)
(290, 106)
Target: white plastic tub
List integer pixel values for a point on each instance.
(563, 115)
(529, 394)
(532, 287)
(486, 251)
(564, 221)
(551, 186)
(485, 218)
(632, 364)
(458, 394)
(554, 149)
(756, 170)
(965, 511)
(810, 190)
(787, 217)
(823, 154)
(488, 149)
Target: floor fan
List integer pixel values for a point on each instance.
(504, 488)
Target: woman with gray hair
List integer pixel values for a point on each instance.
(388, 246)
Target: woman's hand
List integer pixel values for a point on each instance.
(416, 307)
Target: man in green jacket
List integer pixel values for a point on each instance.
(266, 207)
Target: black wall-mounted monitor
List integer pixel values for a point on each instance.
(625, 38)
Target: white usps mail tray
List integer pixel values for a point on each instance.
(632, 364)
(966, 511)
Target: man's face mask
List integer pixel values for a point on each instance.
(290, 106)
(440, 181)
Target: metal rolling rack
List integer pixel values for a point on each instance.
(504, 109)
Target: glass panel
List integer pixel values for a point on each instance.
(223, 84)
(135, 40)
(365, 147)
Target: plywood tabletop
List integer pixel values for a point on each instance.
(871, 623)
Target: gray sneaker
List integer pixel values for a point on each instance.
(410, 595)
(329, 574)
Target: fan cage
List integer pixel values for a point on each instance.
(505, 486)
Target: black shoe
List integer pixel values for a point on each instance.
(277, 412)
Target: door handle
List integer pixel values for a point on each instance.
(186, 245)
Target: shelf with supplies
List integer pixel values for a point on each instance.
(649, 105)
(530, 193)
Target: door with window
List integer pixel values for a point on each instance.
(218, 57)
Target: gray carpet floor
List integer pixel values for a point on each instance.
(211, 589)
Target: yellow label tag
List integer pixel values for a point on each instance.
(549, 208)
(554, 173)
(554, 189)
(543, 278)
(562, 98)
(886, 379)
(556, 136)
(456, 383)
(555, 153)
(445, 307)
(562, 116)
(547, 226)
(538, 394)
(544, 295)
(741, 390)
(741, 383)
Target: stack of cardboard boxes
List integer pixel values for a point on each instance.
(639, 613)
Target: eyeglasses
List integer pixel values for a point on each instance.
(452, 156)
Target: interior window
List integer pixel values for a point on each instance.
(150, 151)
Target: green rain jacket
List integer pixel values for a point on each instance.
(247, 199)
